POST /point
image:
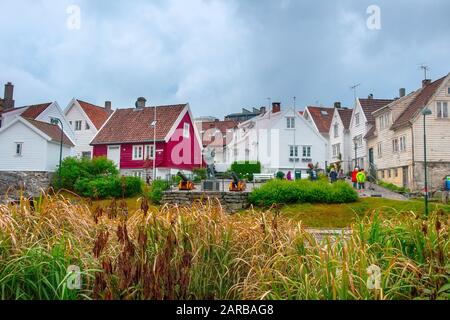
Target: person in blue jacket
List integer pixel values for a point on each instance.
(445, 189)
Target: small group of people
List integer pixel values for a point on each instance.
(445, 189)
(359, 178)
(335, 176)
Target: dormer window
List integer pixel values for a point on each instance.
(186, 129)
(442, 110)
(336, 130)
(290, 122)
(356, 119)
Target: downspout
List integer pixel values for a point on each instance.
(413, 153)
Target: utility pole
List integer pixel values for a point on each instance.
(295, 146)
(354, 90)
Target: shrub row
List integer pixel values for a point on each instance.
(393, 187)
(245, 170)
(156, 190)
(109, 187)
(302, 191)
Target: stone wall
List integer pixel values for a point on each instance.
(436, 171)
(31, 183)
(230, 201)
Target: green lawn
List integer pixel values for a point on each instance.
(342, 215)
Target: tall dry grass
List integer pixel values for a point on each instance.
(202, 253)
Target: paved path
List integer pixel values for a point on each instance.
(374, 190)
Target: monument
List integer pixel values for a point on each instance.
(211, 183)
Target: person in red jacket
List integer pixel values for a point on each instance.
(354, 180)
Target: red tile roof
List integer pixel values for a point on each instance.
(419, 102)
(134, 125)
(96, 114)
(322, 117)
(209, 136)
(372, 105)
(53, 131)
(370, 133)
(346, 116)
(32, 111)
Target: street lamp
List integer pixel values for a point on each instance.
(355, 141)
(55, 121)
(425, 112)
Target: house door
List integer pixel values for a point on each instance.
(405, 177)
(114, 155)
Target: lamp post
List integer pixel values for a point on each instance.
(425, 112)
(55, 121)
(355, 141)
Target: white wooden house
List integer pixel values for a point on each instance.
(85, 120)
(340, 143)
(282, 140)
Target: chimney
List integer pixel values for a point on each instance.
(370, 97)
(140, 103)
(276, 107)
(402, 92)
(337, 105)
(262, 110)
(8, 101)
(425, 82)
(108, 105)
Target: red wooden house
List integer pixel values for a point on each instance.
(127, 138)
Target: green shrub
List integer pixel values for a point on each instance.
(393, 187)
(199, 174)
(302, 191)
(109, 187)
(73, 169)
(280, 175)
(156, 190)
(245, 170)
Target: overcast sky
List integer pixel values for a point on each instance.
(219, 55)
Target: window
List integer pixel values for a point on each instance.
(307, 151)
(403, 143)
(1, 122)
(448, 90)
(138, 153)
(87, 127)
(290, 122)
(336, 130)
(78, 125)
(384, 120)
(137, 174)
(358, 141)
(293, 151)
(336, 150)
(186, 129)
(396, 172)
(395, 145)
(442, 110)
(379, 150)
(70, 122)
(86, 154)
(149, 151)
(356, 119)
(19, 147)
(389, 173)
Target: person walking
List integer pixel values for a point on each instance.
(361, 178)
(354, 180)
(445, 189)
(341, 175)
(333, 175)
(289, 176)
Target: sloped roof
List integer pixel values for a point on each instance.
(346, 116)
(53, 131)
(370, 133)
(134, 125)
(31, 111)
(322, 117)
(371, 105)
(209, 136)
(98, 115)
(418, 103)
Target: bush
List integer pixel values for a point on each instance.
(156, 190)
(109, 187)
(393, 187)
(73, 169)
(199, 174)
(245, 170)
(302, 191)
(280, 175)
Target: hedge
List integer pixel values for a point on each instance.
(302, 191)
(156, 190)
(245, 170)
(109, 187)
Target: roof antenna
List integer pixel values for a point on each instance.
(354, 90)
(425, 69)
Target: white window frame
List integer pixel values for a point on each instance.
(186, 130)
(357, 120)
(87, 126)
(336, 130)
(402, 143)
(138, 174)
(293, 151)
(85, 152)
(290, 122)
(149, 148)
(395, 145)
(306, 151)
(138, 152)
(19, 149)
(441, 112)
(78, 122)
(380, 150)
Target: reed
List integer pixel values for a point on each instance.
(202, 253)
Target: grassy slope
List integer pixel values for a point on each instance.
(342, 215)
